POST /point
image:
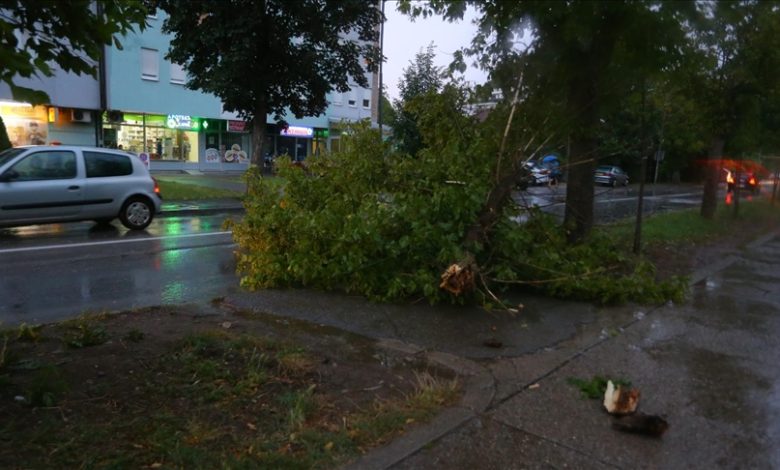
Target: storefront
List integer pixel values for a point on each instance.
(25, 124)
(171, 138)
(180, 142)
(227, 145)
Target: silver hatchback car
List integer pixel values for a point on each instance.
(52, 184)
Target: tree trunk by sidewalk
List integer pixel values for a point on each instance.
(258, 133)
(709, 202)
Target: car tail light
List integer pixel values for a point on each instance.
(752, 181)
(156, 186)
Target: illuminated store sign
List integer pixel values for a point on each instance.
(298, 131)
(236, 126)
(181, 121)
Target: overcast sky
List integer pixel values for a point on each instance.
(404, 39)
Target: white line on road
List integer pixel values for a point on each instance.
(109, 242)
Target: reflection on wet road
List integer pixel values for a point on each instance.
(51, 272)
(613, 203)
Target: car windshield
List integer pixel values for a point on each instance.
(604, 169)
(8, 154)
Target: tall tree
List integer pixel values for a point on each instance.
(734, 79)
(36, 35)
(574, 47)
(265, 57)
(422, 76)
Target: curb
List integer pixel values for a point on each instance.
(479, 391)
(199, 211)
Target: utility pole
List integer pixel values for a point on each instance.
(381, 62)
(642, 175)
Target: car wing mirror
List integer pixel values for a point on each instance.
(9, 175)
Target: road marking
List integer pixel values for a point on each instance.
(109, 242)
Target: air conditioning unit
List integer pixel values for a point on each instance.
(115, 116)
(78, 115)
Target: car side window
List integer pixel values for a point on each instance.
(101, 164)
(48, 165)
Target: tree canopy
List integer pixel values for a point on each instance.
(580, 55)
(273, 56)
(38, 36)
(419, 78)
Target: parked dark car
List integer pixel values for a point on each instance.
(610, 175)
(53, 184)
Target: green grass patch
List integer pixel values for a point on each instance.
(175, 191)
(199, 398)
(596, 386)
(688, 226)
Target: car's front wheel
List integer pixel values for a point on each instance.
(136, 213)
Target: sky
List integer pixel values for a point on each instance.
(404, 38)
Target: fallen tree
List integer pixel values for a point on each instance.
(442, 225)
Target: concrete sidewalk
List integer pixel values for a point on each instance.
(709, 366)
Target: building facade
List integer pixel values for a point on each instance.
(139, 102)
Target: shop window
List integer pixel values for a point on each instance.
(107, 164)
(150, 64)
(178, 75)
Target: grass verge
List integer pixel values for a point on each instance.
(174, 191)
(159, 388)
(688, 226)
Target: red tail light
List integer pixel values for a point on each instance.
(156, 186)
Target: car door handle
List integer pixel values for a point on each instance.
(73, 187)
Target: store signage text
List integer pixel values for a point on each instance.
(298, 131)
(180, 121)
(236, 126)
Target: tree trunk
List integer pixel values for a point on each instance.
(497, 199)
(578, 217)
(5, 142)
(258, 134)
(709, 202)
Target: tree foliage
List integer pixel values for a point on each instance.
(421, 77)
(734, 81)
(273, 56)
(38, 36)
(581, 55)
(370, 220)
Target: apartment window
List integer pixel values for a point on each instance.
(150, 65)
(178, 75)
(352, 100)
(337, 98)
(366, 99)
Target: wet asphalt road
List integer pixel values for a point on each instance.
(51, 272)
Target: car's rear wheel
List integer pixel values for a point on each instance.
(136, 213)
(613, 182)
